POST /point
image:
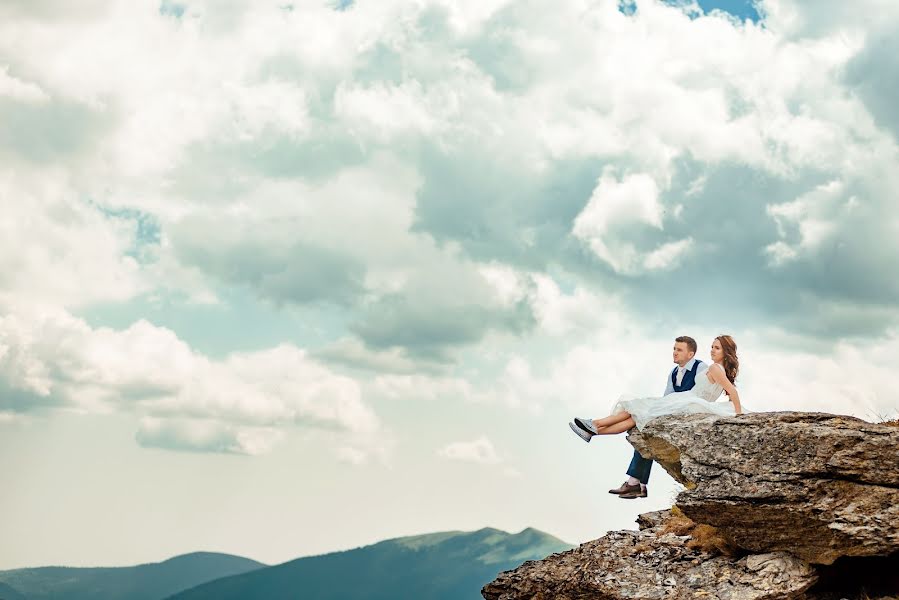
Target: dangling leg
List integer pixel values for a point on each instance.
(611, 420)
(605, 426)
(619, 427)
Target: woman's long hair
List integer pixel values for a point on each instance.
(731, 362)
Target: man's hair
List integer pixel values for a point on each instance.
(690, 342)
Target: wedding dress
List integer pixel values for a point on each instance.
(703, 398)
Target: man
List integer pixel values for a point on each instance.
(682, 378)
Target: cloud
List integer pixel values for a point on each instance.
(353, 353)
(57, 247)
(582, 311)
(347, 243)
(606, 223)
(490, 142)
(873, 74)
(23, 91)
(504, 183)
(7, 417)
(351, 455)
(429, 388)
(383, 113)
(241, 403)
(810, 218)
(431, 325)
(479, 450)
(197, 435)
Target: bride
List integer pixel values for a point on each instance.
(629, 412)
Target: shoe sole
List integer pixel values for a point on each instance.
(576, 431)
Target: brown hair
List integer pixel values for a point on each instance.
(731, 362)
(690, 342)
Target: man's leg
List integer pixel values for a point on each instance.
(639, 468)
(638, 472)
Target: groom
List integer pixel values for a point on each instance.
(682, 378)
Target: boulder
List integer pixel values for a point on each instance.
(652, 563)
(816, 485)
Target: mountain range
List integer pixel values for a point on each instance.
(450, 565)
(142, 582)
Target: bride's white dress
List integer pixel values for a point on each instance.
(703, 398)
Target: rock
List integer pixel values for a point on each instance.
(776, 506)
(651, 564)
(816, 485)
(652, 520)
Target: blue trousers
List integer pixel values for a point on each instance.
(640, 468)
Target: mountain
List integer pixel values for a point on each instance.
(439, 566)
(8, 593)
(142, 582)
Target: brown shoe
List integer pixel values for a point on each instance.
(625, 489)
(640, 492)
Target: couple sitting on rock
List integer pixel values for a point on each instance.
(693, 387)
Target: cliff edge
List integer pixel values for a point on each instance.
(781, 505)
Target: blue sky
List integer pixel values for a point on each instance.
(745, 9)
(268, 270)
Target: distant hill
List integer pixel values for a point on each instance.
(438, 566)
(8, 593)
(142, 582)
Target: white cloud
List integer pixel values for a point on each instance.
(199, 435)
(630, 199)
(807, 222)
(479, 450)
(57, 247)
(383, 111)
(353, 353)
(352, 455)
(428, 388)
(531, 85)
(615, 208)
(236, 403)
(667, 255)
(581, 312)
(847, 378)
(17, 89)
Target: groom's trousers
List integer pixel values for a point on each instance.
(640, 468)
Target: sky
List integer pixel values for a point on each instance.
(280, 279)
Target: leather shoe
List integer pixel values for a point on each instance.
(641, 492)
(626, 489)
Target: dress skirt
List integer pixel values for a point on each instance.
(643, 410)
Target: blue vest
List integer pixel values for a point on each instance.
(689, 378)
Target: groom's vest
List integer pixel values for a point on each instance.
(689, 379)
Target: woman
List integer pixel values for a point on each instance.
(718, 378)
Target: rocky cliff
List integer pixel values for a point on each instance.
(776, 506)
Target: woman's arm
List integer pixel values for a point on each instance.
(719, 377)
